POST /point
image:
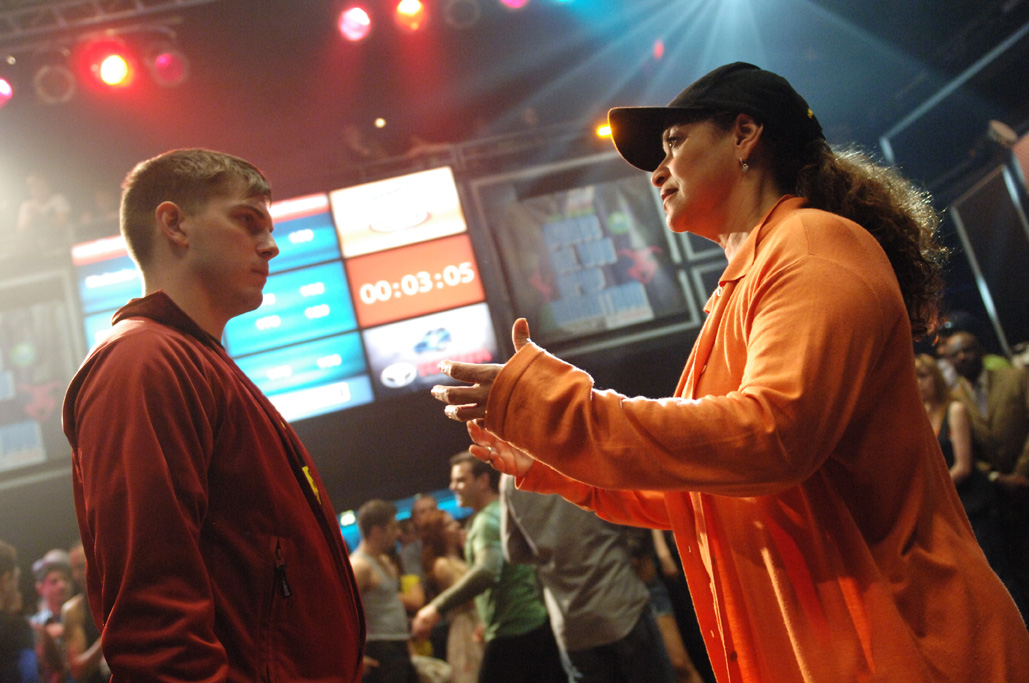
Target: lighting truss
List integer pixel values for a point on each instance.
(23, 19)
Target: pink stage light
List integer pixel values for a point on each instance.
(168, 66)
(6, 92)
(355, 23)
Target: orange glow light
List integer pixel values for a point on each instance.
(410, 14)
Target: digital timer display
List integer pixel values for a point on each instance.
(414, 280)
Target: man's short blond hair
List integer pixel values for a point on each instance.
(189, 178)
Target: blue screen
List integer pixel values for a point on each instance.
(304, 241)
(298, 306)
(295, 377)
(107, 285)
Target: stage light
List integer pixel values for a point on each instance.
(603, 131)
(462, 13)
(355, 23)
(54, 81)
(114, 70)
(514, 4)
(110, 61)
(6, 91)
(166, 64)
(410, 15)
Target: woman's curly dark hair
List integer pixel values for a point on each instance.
(900, 217)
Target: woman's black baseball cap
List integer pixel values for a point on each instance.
(737, 88)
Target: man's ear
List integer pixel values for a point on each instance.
(170, 217)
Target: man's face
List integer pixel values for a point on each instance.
(55, 589)
(388, 535)
(963, 353)
(230, 245)
(421, 507)
(467, 489)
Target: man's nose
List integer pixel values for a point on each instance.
(269, 248)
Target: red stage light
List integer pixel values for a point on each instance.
(110, 61)
(355, 23)
(410, 14)
(6, 92)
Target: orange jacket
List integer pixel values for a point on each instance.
(820, 533)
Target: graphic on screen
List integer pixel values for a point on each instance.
(313, 378)
(107, 276)
(392, 213)
(414, 280)
(298, 305)
(304, 232)
(589, 259)
(37, 360)
(404, 357)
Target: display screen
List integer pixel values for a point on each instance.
(392, 213)
(107, 277)
(372, 287)
(423, 278)
(590, 259)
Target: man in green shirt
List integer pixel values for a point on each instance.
(520, 645)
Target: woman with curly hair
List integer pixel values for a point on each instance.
(442, 565)
(820, 533)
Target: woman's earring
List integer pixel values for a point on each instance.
(744, 165)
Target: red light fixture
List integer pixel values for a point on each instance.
(410, 15)
(355, 23)
(110, 62)
(6, 92)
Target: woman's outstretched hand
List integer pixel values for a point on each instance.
(469, 402)
(500, 455)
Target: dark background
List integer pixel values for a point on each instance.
(272, 81)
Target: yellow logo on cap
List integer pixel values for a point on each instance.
(810, 114)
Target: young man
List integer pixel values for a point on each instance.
(520, 645)
(54, 587)
(213, 552)
(388, 658)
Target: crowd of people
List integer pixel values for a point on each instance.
(57, 641)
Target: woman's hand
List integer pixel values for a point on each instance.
(500, 455)
(469, 402)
